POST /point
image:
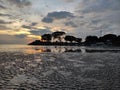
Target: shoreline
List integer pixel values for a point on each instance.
(64, 70)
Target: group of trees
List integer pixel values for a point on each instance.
(110, 39)
(60, 36)
(63, 39)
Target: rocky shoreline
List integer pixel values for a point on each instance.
(63, 71)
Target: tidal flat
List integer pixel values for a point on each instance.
(59, 68)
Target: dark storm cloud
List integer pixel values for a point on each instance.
(20, 3)
(57, 15)
(70, 23)
(60, 15)
(47, 20)
(40, 31)
(4, 22)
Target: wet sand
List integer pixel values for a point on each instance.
(60, 71)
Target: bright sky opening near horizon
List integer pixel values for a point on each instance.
(22, 21)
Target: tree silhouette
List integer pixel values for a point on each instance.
(117, 41)
(109, 38)
(78, 40)
(47, 37)
(70, 38)
(58, 35)
(91, 39)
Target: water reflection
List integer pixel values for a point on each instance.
(35, 50)
(56, 49)
(64, 49)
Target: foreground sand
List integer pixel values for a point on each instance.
(60, 71)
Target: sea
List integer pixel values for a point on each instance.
(27, 67)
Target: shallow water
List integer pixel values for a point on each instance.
(25, 67)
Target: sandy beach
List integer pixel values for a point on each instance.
(59, 70)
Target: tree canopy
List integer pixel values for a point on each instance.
(47, 37)
(70, 38)
(109, 37)
(91, 39)
(57, 34)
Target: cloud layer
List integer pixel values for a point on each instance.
(28, 19)
(57, 15)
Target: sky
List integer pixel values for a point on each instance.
(22, 21)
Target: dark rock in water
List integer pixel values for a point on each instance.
(21, 89)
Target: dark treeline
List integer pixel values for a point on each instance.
(60, 38)
(108, 39)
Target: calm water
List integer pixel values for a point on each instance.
(25, 67)
(38, 49)
(27, 49)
